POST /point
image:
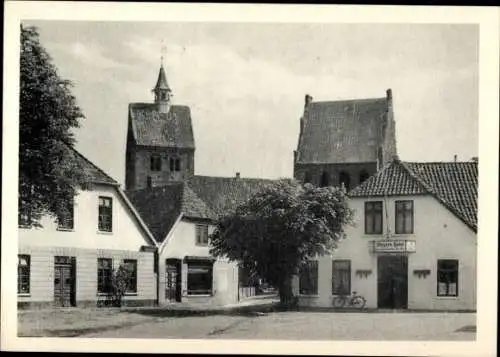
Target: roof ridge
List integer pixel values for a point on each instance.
(94, 165)
(349, 100)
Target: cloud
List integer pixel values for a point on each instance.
(89, 54)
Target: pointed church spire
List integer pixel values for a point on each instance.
(162, 91)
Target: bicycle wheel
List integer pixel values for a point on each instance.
(358, 302)
(338, 301)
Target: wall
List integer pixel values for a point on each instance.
(42, 274)
(182, 242)
(333, 170)
(126, 235)
(438, 234)
(142, 166)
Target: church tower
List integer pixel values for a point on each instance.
(160, 140)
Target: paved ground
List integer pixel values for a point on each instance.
(306, 326)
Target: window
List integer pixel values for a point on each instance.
(155, 162)
(65, 218)
(404, 217)
(324, 180)
(104, 275)
(345, 179)
(341, 277)
(307, 177)
(23, 274)
(131, 266)
(175, 164)
(363, 176)
(105, 214)
(447, 277)
(373, 217)
(308, 279)
(24, 217)
(199, 281)
(201, 234)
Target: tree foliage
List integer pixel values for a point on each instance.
(281, 227)
(48, 171)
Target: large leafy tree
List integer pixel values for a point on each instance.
(280, 228)
(48, 171)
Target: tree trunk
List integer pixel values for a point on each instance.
(287, 299)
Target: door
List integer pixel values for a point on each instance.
(392, 271)
(64, 282)
(173, 280)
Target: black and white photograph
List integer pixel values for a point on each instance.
(256, 179)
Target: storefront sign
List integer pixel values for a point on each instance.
(394, 246)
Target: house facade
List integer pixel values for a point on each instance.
(182, 223)
(69, 262)
(345, 141)
(413, 245)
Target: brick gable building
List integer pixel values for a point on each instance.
(344, 141)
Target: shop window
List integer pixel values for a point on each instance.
(308, 279)
(199, 279)
(131, 266)
(373, 217)
(65, 218)
(345, 179)
(404, 217)
(341, 277)
(201, 234)
(104, 275)
(155, 163)
(447, 277)
(23, 274)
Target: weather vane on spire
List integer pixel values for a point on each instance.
(163, 51)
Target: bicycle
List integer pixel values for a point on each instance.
(353, 300)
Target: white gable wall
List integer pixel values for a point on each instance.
(181, 242)
(126, 235)
(438, 233)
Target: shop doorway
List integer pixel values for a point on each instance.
(392, 272)
(64, 281)
(173, 280)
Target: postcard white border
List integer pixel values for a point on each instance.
(486, 18)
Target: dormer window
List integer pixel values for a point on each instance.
(155, 162)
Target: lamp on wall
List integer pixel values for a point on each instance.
(421, 273)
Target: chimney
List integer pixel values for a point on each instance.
(475, 159)
(308, 100)
(455, 158)
(237, 175)
(388, 93)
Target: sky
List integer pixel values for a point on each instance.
(245, 84)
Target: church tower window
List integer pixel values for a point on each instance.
(363, 176)
(155, 163)
(324, 179)
(345, 179)
(175, 164)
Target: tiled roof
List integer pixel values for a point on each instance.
(454, 184)
(152, 128)
(342, 131)
(160, 207)
(92, 172)
(224, 194)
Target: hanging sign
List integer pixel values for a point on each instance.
(394, 246)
